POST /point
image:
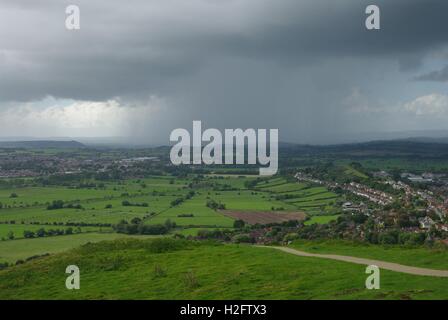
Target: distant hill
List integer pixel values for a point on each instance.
(412, 147)
(42, 144)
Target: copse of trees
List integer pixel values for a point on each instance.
(127, 203)
(59, 204)
(136, 226)
(176, 202)
(212, 204)
(238, 224)
(40, 233)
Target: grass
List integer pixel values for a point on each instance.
(168, 269)
(412, 256)
(321, 219)
(353, 172)
(11, 251)
(202, 215)
(18, 229)
(194, 231)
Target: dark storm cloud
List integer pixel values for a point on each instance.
(308, 67)
(438, 76)
(151, 46)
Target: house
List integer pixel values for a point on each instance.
(426, 223)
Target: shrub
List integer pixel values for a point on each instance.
(290, 237)
(41, 232)
(243, 238)
(56, 204)
(238, 224)
(185, 215)
(28, 234)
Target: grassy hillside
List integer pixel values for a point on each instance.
(176, 269)
(412, 256)
(11, 251)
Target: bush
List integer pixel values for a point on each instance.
(41, 232)
(177, 202)
(290, 237)
(127, 203)
(56, 204)
(28, 234)
(238, 224)
(243, 238)
(212, 204)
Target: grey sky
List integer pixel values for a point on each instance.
(143, 68)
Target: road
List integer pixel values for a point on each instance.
(381, 264)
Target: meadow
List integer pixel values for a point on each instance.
(119, 266)
(18, 229)
(175, 269)
(12, 251)
(435, 258)
(312, 199)
(93, 206)
(321, 219)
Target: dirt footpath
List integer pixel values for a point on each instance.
(381, 264)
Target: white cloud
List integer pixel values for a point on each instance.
(432, 104)
(52, 117)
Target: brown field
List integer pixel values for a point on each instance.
(264, 217)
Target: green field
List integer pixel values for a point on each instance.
(412, 256)
(18, 229)
(321, 219)
(11, 251)
(312, 199)
(203, 216)
(166, 269)
(27, 209)
(126, 268)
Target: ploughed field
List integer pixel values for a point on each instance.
(32, 224)
(126, 267)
